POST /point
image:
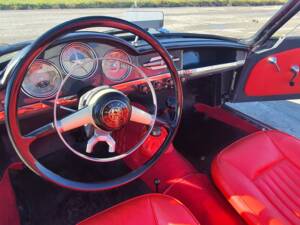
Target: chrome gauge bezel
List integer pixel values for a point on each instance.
(88, 48)
(53, 93)
(127, 73)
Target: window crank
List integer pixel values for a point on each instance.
(273, 60)
(295, 70)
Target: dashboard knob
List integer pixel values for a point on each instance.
(170, 83)
(143, 88)
(158, 85)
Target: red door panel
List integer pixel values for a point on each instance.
(261, 79)
(266, 80)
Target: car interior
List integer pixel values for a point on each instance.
(125, 126)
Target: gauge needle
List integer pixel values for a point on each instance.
(76, 60)
(76, 55)
(74, 52)
(83, 68)
(80, 64)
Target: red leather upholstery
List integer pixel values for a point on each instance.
(9, 213)
(205, 202)
(152, 209)
(179, 179)
(260, 176)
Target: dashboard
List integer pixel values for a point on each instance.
(86, 60)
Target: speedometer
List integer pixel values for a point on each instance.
(42, 80)
(113, 65)
(79, 59)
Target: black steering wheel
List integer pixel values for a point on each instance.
(99, 102)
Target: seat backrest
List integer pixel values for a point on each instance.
(260, 176)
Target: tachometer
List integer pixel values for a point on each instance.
(79, 59)
(42, 80)
(115, 69)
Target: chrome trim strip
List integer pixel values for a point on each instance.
(189, 74)
(211, 70)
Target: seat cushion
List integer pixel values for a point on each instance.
(151, 209)
(260, 176)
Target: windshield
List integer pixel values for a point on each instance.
(237, 22)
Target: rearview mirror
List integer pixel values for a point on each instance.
(146, 19)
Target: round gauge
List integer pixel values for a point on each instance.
(113, 67)
(79, 59)
(42, 80)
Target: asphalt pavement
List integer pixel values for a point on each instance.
(239, 22)
(19, 25)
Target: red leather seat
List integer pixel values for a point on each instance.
(260, 176)
(151, 209)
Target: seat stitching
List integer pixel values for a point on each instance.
(283, 179)
(276, 193)
(269, 168)
(288, 172)
(272, 203)
(219, 157)
(282, 152)
(153, 212)
(270, 200)
(229, 189)
(283, 190)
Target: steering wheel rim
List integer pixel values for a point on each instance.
(18, 71)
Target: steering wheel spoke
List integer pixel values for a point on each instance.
(141, 116)
(75, 120)
(70, 122)
(40, 132)
(27, 140)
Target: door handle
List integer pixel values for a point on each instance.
(295, 70)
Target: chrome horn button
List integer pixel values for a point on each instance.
(111, 110)
(115, 114)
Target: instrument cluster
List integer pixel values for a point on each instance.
(77, 60)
